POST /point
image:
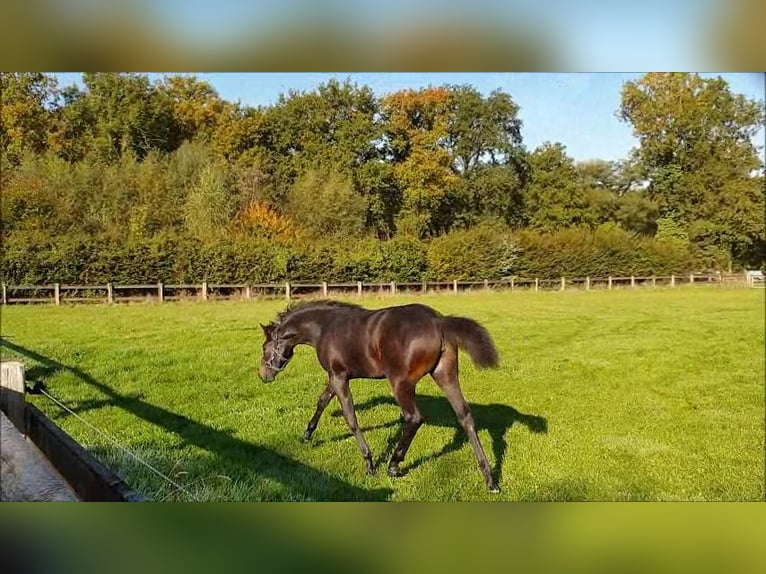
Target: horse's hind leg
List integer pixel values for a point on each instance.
(446, 377)
(322, 402)
(404, 393)
(341, 389)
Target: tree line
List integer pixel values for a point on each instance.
(407, 185)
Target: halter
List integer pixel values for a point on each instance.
(277, 355)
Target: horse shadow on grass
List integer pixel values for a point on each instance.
(495, 418)
(247, 458)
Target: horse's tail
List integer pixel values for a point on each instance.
(473, 338)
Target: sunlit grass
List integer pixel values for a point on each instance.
(647, 395)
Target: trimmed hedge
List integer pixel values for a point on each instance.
(483, 252)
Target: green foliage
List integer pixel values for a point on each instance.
(326, 205)
(697, 151)
(553, 200)
(609, 250)
(350, 186)
(27, 113)
(482, 252)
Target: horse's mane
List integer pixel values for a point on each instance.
(315, 304)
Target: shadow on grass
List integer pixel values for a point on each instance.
(494, 418)
(247, 458)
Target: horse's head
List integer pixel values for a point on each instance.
(277, 350)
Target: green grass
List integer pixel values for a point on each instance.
(647, 395)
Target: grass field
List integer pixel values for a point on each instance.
(646, 395)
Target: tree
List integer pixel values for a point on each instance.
(483, 130)
(554, 198)
(195, 105)
(697, 151)
(27, 113)
(128, 114)
(416, 124)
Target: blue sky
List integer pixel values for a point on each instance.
(575, 109)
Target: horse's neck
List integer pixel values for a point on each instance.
(309, 325)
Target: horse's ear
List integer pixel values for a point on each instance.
(267, 329)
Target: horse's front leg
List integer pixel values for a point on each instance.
(322, 402)
(341, 388)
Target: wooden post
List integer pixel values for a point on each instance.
(486, 284)
(324, 288)
(204, 290)
(587, 283)
(393, 287)
(563, 284)
(672, 280)
(248, 293)
(12, 393)
(160, 292)
(609, 282)
(691, 278)
(109, 293)
(720, 277)
(654, 281)
(537, 284)
(359, 288)
(424, 288)
(513, 281)
(4, 295)
(287, 290)
(632, 281)
(57, 293)
(454, 285)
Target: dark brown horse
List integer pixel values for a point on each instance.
(401, 344)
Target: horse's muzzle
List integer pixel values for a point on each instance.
(266, 375)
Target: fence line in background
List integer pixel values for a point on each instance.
(160, 292)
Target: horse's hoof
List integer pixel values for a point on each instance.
(494, 489)
(394, 472)
(306, 438)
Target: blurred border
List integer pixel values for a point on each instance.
(556, 537)
(338, 35)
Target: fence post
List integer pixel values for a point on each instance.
(12, 393)
(486, 284)
(587, 283)
(248, 293)
(109, 293)
(160, 292)
(424, 288)
(691, 278)
(512, 282)
(609, 282)
(654, 281)
(393, 287)
(537, 284)
(287, 290)
(720, 278)
(4, 297)
(57, 293)
(748, 282)
(359, 288)
(324, 288)
(563, 284)
(672, 280)
(632, 281)
(454, 285)
(204, 290)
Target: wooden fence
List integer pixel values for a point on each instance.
(86, 476)
(159, 292)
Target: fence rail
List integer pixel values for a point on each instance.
(159, 292)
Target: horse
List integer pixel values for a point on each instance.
(400, 343)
